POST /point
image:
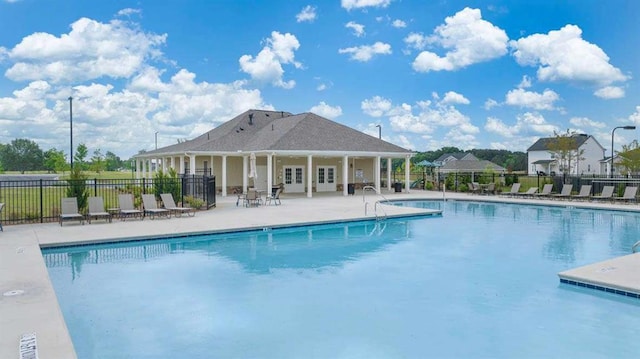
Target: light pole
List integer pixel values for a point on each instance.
(71, 130)
(379, 131)
(156, 140)
(612, 153)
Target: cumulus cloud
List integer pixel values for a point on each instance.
(362, 4)
(562, 55)
(527, 124)
(635, 117)
(308, 14)
(490, 103)
(416, 41)
(583, 122)
(267, 65)
(529, 99)
(397, 23)
(610, 92)
(525, 83)
(358, 29)
(366, 52)
(129, 12)
(376, 106)
(452, 97)
(327, 111)
(468, 38)
(89, 51)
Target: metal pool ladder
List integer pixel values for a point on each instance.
(375, 206)
(635, 246)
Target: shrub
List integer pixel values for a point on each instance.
(194, 202)
(77, 187)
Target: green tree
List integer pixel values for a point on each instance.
(77, 187)
(98, 163)
(167, 183)
(112, 162)
(55, 160)
(629, 158)
(80, 157)
(564, 148)
(22, 155)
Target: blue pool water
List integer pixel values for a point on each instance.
(480, 281)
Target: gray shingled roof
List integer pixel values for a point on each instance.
(470, 166)
(258, 130)
(543, 144)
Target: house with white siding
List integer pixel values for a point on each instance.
(541, 158)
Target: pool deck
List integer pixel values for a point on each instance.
(28, 302)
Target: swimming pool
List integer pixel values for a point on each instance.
(480, 281)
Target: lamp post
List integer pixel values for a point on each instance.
(156, 140)
(71, 130)
(612, 153)
(379, 131)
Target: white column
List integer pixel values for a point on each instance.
(345, 175)
(192, 164)
(143, 173)
(407, 172)
(211, 165)
(245, 162)
(164, 164)
(269, 173)
(224, 175)
(173, 163)
(137, 168)
(182, 165)
(389, 174)
(376, 168)
(309, 176)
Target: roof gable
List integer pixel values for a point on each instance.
(543, 144)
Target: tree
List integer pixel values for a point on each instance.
(112, 162)
(55, 160)
(22, 155)
(629, 158)
(78, 187)
(81, 155)
(564, 148)
(97, 161)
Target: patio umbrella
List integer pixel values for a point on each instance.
(252, 167)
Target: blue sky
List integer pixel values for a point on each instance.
(472, 74)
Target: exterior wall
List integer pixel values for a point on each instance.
(534, 156)
(593, 154)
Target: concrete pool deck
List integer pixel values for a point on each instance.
(28, 302)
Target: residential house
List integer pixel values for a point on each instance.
(465, 163)
(541, 158)
(305, 152)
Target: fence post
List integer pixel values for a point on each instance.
(144, 185)
(41, 203)
(95, 186)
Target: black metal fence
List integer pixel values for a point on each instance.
(38, 201)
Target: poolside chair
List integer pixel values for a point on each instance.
(127, 209)
(1, 207)
(607, 193)
(251, 199)
(546, 191)
(275, 198)
(70, 210)
(489, 189)
(474, 187)
(528, 193)
(585, 192)
(151, 207)
(565, 193)
(96, 210)
(170, 204)
(515, 188)
(629, 194)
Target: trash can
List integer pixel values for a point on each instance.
(351, 188)
(397, 187)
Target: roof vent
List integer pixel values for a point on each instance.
(250, 119)
(281, 114)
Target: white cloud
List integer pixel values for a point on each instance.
(416, 41)
(452, 97)
(307, 14)
(397, 23)
(490, 103)
(366, 52)
(129, 12)
(585, 122)
(468, 38)
(635, 117)
(267, 65)
(376, 106)
(321, 87)
(610, 92)
(427, 118)
(361, 4)
(525, 83)
(91, 50)
(358, 29)
(527, 124)
(326, 111)
(562, 55)
(534, 100)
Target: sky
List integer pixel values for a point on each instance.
(493, 74)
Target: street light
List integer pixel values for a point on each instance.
(379, 131)
(156, 140)
(71, 130)
(612, 133)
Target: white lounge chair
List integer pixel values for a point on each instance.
(607, 193)
(151, 207)
(528, 193)
(170, 204)
(546, 191)
(96, 209)
(629, 194)
(127, 209)
(565, 193)
(515, 188)
(275, 198)
(585, 192)
(70, 210)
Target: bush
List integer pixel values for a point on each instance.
(194, 202)
(167, 183)
(428, 186)
(77, 187)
